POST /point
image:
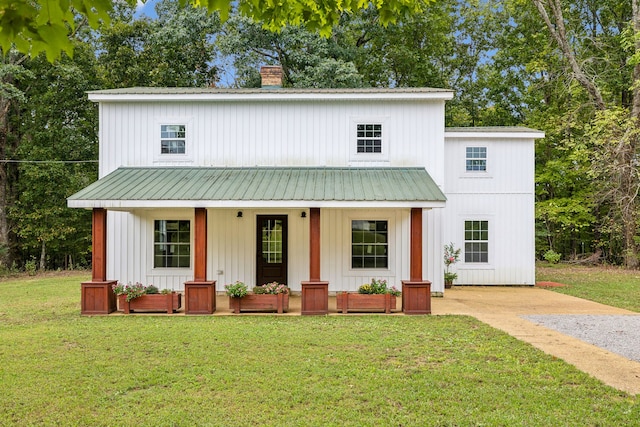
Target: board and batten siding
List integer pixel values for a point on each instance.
(503, 196)
(295, 133)
(231, 247)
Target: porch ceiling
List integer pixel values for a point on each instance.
(295, 187)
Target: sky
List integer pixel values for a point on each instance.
(147, 8)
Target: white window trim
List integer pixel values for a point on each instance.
(354, 156)
(490, 243)
(391, 233)
(168, 271)
(158, 156)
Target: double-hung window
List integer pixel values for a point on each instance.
(172, 244)
(369, 244)
(476, 241)
(476, 159)
(369, 138)
(173, 139)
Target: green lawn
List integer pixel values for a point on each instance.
(607, 285)
(59, 368)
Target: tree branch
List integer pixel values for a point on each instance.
(559, 33)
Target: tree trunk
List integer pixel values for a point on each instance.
(43, 256)
(5, 105)
(557, 29)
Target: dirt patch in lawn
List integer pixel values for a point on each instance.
(550, 285)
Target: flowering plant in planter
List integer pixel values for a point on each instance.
(268, 297)
(236, 290)
(378, 287)
(141, 297)
(132, 291)
(451, 256)
(273, 288)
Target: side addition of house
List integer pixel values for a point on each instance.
(303, 186)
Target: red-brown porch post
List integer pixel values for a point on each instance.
(415, 272)
(200, 245)
(314, 245)
(96, 296)
(416, 292)
(315, 293)
(99, 245)
(200, 294)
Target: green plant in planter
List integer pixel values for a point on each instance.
(236, 290)
(152, 290)
(451, 256)
(378, 286)
(273, 288)
(450, 277)
(137, 290)
(131, 291)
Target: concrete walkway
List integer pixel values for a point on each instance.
(501, 308)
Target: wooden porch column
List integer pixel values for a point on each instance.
(314, 245)
(200, 294)
(415, 271)
(416, 293)
(315, 293)
(200, 245)
(99, 245)
(96, 296)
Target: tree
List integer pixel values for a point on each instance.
(599, 43)
(57, 148)
(47, 26)
(307, 59)
(12, 72)
(173, 50)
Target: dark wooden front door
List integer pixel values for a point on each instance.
(272, 249)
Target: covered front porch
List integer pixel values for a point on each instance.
(317, 212)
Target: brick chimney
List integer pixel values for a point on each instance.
(271, 76)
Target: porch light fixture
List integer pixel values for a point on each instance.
(303, 214)
(239, 215)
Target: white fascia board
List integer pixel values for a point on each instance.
(139, 204)
(494, 135)
(386, 96)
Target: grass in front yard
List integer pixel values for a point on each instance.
(607, 285)
(59, 368)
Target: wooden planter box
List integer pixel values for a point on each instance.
(347, 301)
(260, 302)
(416, 297)
(152, 302)
(200, 297)
(97, 297)
(315, 298)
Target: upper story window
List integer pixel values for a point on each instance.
(173, 139)
(171, 244)
(369, 244)
(476, 241)
(369, 138)
(476, 159)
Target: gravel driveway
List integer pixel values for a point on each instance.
(618, 334)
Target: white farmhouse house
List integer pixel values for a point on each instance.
(303, 186)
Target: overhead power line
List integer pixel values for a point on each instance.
(47, 161)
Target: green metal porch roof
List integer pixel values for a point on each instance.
(145, 187)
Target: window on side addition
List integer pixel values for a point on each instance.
(171, 244)
(476, 159)
(173, 139)
(369, 138)
(476, 241)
